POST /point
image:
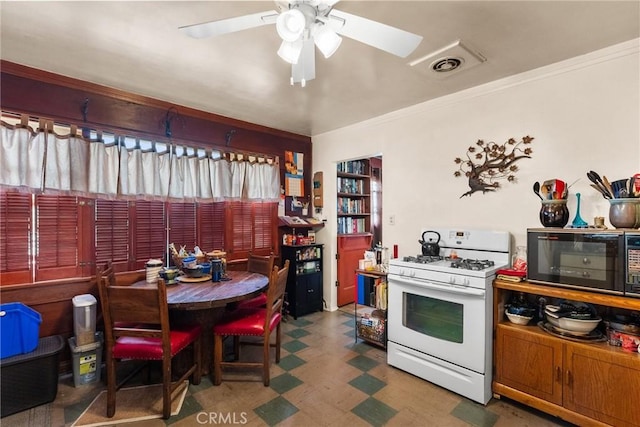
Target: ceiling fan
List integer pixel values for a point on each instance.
(304, 25)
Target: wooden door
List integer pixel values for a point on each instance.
(350, 250)
(529, 362)
(603, 383)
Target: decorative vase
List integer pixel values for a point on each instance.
(554, 213)
(624, 213)
(578, 222)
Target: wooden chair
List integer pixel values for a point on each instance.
(262, 264)
(137, 328)
(255, 322)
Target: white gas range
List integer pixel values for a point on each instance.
(440, 310)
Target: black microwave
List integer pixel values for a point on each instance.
(632, 263)
(577, 258)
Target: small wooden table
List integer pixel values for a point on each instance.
(205, 302)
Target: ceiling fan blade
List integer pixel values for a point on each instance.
(381, 36)
(231, 25)
(305, 69)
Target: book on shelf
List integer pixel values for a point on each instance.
(293, 220)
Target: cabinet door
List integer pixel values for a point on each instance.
(603, 383)
(350, 251)
(529, 362)
(309, 293)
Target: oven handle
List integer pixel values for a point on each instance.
(452, 289)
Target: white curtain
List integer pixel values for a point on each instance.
(220, 178)
(262, 181)
(21, 157)
(238, 170)
(67, 165)
(184, 177)
(74, 165)
(144, 174)
(104, 169)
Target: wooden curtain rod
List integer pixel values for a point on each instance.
(47, 125)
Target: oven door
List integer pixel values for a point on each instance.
(445, 321)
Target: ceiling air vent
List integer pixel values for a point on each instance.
(449, 60)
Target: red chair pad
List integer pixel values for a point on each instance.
(151, 348)
(257, 302)
(246, 322)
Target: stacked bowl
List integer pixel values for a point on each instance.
(572, 318)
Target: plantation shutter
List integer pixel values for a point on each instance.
(112, 233)
(15, 237)
(264, 218)
(182, 225)
(240, 228)
(57, 237)
(148, 229)
(211, 226)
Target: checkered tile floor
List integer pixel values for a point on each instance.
(324, 378)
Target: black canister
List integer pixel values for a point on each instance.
(216, 270)
(554, 213)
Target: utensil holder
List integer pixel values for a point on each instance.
(554, 213)
(624, 213)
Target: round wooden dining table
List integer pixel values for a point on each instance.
(195, 295)
(205, 302)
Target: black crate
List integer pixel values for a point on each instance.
(30, 379)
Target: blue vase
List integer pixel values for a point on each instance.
(578, 222)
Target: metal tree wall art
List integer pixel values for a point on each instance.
(488, 163)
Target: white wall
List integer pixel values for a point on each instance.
(584, 114)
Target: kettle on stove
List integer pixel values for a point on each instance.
(430, 248)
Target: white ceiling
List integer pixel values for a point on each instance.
(136, 46)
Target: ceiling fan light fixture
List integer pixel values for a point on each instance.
(327, 40)
(291, 25)
(290, 51)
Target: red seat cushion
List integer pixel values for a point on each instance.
(246, 322)
(151, 348)
(257, 302)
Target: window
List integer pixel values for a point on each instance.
(40, 237)
(15, 236)
(112, 221)
(48, 237)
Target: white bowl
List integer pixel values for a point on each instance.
(518, 319)
(575, 325)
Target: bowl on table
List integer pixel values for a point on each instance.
(193, 272)
(189, 262)
(206, 267)
(169, 275)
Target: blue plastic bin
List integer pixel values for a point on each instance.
(19, 329)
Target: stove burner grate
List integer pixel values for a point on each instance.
(423, 259)
(472, 264)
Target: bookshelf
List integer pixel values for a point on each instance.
(370, 307)
(354, 197)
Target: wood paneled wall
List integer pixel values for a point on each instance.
(43, 94)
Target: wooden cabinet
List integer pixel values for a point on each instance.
(304, 283)
(582, 382)
(354, 197)
(370, 308)
(602, 384)
(529, 362)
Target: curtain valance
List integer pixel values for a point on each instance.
(38, 156)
